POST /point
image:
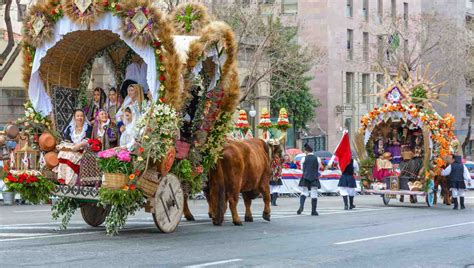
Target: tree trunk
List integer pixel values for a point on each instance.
(11, 42)
(469, 130)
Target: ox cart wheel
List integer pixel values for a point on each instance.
(169, 201)
(93, 214)
(386, 199)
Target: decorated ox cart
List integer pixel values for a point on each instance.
(402, 145)
(178, 133)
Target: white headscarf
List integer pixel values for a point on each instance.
(130, 134)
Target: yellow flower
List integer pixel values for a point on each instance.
(139, 158)
(112, 5)
(146, 137)
(158, 52)
(162, 68)
(5, 180)
(125, 188)
(131, 177)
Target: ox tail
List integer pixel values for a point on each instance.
(217, 194)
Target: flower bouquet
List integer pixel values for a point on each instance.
(283, 123)
(95, 145)
(116, 164)
(32, 187)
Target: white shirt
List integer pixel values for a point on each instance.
(466, 174)
(137, 72)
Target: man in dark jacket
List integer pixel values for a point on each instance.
(456, 173)
(310, 181)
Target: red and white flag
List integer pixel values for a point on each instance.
(343, 152)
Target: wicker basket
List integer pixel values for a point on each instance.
(114, 181)
(148, 182)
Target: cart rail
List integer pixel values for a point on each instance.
(396, 192)
(77, 192)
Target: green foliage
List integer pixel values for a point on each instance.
(65, 208)
(184, 170)
(212, 150)
(123, 203)
(418, 94)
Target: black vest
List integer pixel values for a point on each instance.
(310, 168)
(457, 170)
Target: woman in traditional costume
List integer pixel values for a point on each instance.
(129, 132)
(347, 185)
(395, 147)
(98, 102)
(113, 104)
(105, 130)
(134, 101)
(379, 147)
(275, 181)
(75, 138)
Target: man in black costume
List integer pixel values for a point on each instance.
(309, 183)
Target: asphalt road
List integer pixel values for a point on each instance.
(372, 235)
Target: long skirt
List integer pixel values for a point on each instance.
(68, 168)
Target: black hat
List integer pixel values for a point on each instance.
(124, 87)
(308, 148)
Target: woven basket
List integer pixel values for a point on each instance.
(114, 181)
(148, 182)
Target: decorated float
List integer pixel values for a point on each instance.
(177, 134)
(402, 145)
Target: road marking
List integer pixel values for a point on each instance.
(31, 211)
(20, 234)
(403, 233)
(213, 263)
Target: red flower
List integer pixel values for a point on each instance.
(137, 172)
(53, 12)
(157, 44)
(11, 178)
(162, 100)
(118, 7)
(95, 144)
(146, 11)
(162, 78)
(23, 177)
(141, 150)
(132, 187)
(161, 58)
(105, 3)
(62, 181)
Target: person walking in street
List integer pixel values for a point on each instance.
(347, 185)
(457, 174)
(309, 183)
(275, 181)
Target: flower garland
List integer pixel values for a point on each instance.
(138, 24)
(34, 122)
(32, 188)
(158, 126)
(213, 148)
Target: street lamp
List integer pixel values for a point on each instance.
(252, 114)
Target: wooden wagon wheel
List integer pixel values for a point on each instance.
(93, 214)
(169, 201)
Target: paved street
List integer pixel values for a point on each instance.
(372, 235)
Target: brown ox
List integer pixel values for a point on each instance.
(244, 168)
(443, 181)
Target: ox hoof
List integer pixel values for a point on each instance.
(248, 218)
(217, 223)
(237, 223)
(190, 218)
(266, 216)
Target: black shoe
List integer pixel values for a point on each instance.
(346, 206)
(351, 202)
(302, 199)
(455, 201)
(272, 199)
(461, 202)
(275, 199)
(314, 206)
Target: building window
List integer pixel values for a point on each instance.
(394, 9)
(349, 7)
(380, 84)
(405, 13)
(365, 10)
(349, 87)
(380, 47)
(350, 43)
(289, 6)
(365, 47)
(365, 87)
(21, 12)
(379, 11)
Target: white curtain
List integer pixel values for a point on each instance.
(36, 90)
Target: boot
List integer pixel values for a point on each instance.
(314, 205)
(275, 199)
(272, 199)
(402, 198)
(351, 202)
(346, 207)
(455, 202)
(461, 201)
(302, 199)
